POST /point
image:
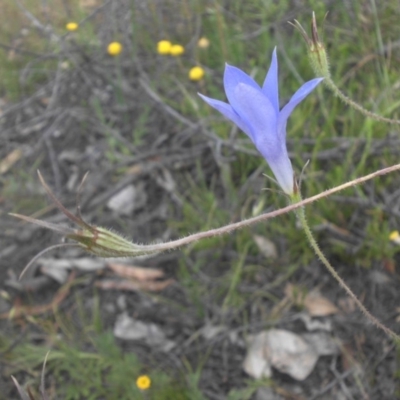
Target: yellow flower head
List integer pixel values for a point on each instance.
(143, 382)
(164, 47)
(71, 26)
(196, 73)
(203, 43)
(176, 50)
(395, 236)
(114, 48)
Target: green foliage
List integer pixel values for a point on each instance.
(27, 48)
(340, 144)
(248, 392)
(103, 372)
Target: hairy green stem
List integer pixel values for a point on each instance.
(105, 243)
(301, 215)
(332, 86)
(319, 61)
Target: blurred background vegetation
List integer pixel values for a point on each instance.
(68, 106)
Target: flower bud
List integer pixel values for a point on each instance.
(98, 241)
(316, 49)
(104, 243)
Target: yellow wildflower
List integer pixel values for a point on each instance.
(143, 382)
(71, 26)
(164, 47)
(176, 50)
(196, 73)
(395, 236)
(114, 48)
(203, 43)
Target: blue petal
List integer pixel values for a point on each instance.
(283, 171)
(301, 93)
(259, 114)
(270, 87)
(227, 111)
(232, 78)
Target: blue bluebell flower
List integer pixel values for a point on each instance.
(255, 110)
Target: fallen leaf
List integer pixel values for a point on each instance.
(267, 247)
(19, 310)
(9, 160)
(133, 286)
(316, 304)
(138, 273)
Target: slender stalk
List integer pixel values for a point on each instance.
(301, 215)
(332, 86)
(114, 245)
(104, 243)
(263, 217)
(318, 58)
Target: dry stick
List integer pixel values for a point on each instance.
(47, 30)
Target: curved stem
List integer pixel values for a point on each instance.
(332, 86)
(46, 250)
(104, 243)
(173, 244)
(300, 212)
